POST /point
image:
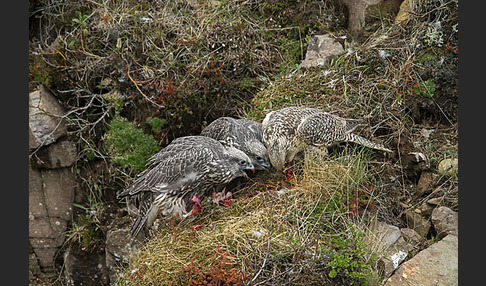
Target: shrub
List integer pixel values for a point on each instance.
(128, 145)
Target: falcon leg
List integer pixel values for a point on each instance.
(222, 198)
(196, 205)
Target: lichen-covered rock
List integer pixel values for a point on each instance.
(395, 246)
(448, 167)
(86, 267)
(321, 49)
(436, 265)
(46, 123)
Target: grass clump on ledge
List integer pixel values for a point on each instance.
(308, 231)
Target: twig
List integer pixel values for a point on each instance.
(268, 247)
(143, 94)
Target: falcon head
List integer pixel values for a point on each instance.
(238, 162)
(258, 155)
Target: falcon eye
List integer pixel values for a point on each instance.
(242, 162)
(258, 158)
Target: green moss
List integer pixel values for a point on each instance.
(128, 145)
(156, 123)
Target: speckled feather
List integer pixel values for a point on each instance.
(289, 131)
(190, 165)
(243, 134)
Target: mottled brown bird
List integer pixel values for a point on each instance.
(186, 169)
(289, 131)
(243, 134)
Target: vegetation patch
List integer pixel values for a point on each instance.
(128, 145)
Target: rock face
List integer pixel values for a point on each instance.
(51, 194)
(119, 248)
(46, 124)
(321, 49)
(57, 155)
(85, 268)
(51, 182)
(436, 265)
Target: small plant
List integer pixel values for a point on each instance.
(348, 258)
(222, 272)
(424, 88)
(81, 19)
(128, 145)
(434, 37)
(156, 123)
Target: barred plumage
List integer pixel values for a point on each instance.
(243, 134)
(188, 166)
(289, 131)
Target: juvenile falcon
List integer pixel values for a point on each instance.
(243, 134)
(186, 168)
(289, 131)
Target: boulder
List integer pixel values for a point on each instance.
(448, 167)
(46, 123)
(60, 154)
(417, 222)
(393, 244)
(51, 194)
(436, 265)
(321, 49)
(119, 248)
(445, 221)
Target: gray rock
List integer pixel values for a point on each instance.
(46, 124)
(436, 265)
(60, 154)
(393, 246)
(51, 194)
(85, 267)
(445, 221)
(119, 248)
(448, 167)
(320, 50)
(411, 236)
(417, 222)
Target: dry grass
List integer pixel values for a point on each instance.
(280, 235)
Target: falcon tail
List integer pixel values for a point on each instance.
(365, 142)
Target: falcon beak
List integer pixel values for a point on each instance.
(249, 167)
(266, 166)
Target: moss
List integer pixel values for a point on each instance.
(128, 145)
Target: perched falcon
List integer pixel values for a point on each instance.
(289, 131)
(186, 168)
(243, 134)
